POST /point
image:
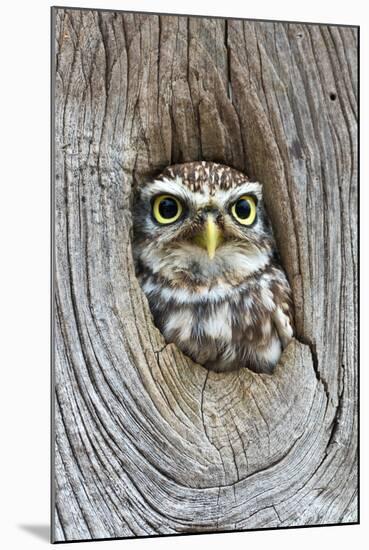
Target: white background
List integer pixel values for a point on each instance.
(24, 270)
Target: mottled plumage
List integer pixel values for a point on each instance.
(214, 284)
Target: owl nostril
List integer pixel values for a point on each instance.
(204, 212)
(211, 209)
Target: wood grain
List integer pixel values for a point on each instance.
(147, 442)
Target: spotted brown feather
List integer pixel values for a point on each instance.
(232, 311)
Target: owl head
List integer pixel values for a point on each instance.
(199, 223)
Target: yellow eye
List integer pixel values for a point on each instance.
(244, 210)
(166, 209)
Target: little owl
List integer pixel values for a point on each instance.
(207, 261)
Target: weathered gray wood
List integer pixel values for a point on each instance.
(148, 442)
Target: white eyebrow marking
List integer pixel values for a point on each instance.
(253, 187)
(167, 185)
(198, 199)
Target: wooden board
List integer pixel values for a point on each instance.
(147, 442)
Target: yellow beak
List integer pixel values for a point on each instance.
(210, 238)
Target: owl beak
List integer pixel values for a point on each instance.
(210, 237)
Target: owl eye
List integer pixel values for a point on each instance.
(244, 210)
(166, 209)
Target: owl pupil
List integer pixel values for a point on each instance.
(168, 208)
(243, 209)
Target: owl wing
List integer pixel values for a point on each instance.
(282, 315)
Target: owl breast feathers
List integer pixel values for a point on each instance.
(206, 259)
